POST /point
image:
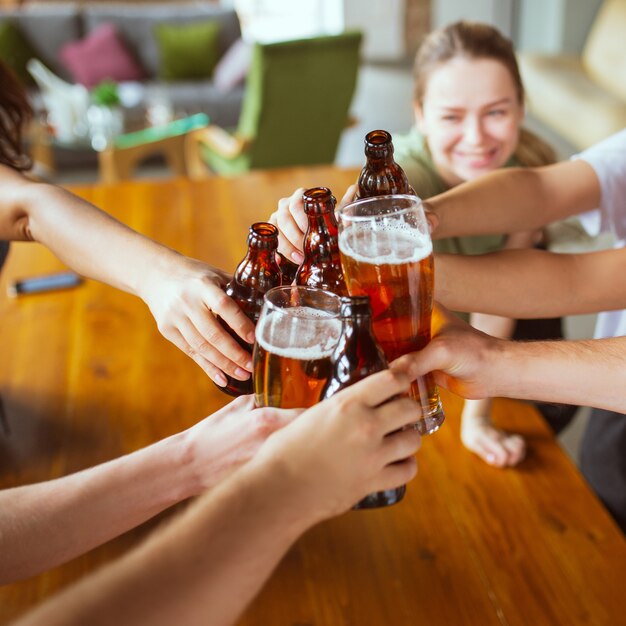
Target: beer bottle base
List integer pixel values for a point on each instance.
(381, 499)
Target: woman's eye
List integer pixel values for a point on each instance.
(450, 118)
(497, 112)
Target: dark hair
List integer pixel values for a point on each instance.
(15, 112)
(472, 40)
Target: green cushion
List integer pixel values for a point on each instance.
(187, 51)
(15, 50)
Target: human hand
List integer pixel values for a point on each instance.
(496, 447)
(344, 448)
(461, 358)
(185, 297)
(228, 438)
(292, 222)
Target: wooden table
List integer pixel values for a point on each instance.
(85, 377)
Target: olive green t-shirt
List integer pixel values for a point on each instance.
(412, 154)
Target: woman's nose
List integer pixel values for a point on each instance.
(473, 130)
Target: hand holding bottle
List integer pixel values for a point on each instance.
(292, 222)
(321, 267)
(357, 356)
(185, 297)
(344, 448)
(254, 276)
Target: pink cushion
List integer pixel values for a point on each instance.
(100, 55)
(233, 67)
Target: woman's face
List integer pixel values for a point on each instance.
(470, 117)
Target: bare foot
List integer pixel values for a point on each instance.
(494, 446)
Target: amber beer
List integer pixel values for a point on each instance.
(392, 263)
(290, 378)
(297, 332)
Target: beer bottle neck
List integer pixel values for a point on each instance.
(256, 263)
(258, 272)
(319, 206)
(356, 316)
(380, 155)
(322, 232)
(357, 352)
(379, 147)
(357, 326)
(254, 276)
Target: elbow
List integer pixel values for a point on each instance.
(21, 227)
(33, 199)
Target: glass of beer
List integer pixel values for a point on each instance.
(296, 335)
(386, 253)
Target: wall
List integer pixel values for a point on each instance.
(15, 3)
(393, 28)
(556, 25)
(499, 13)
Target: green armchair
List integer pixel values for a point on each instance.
(296, 105)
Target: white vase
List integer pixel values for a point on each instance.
(104, 123)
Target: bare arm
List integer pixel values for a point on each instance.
(473, 365)
(511, 200)
(181, 292)
(496, 325)
(207, 565)
(532, 283)
(45, 524)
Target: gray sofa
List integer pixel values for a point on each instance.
(49, 27)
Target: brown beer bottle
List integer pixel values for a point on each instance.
(356, 356)
(321, 267)
(381, 175)
(288, 269)
(257, 273)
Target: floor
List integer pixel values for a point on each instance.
(383, 100)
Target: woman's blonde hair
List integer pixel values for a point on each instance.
(474, 40)
(15, 112)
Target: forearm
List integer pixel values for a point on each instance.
(586, 373)
(92, 242)
(204, 568)
(532, 283)
(45, 524)
(512, 200)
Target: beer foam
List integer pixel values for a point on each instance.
(304, 334)
(392, 244)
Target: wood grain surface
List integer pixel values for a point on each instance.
(85, 377)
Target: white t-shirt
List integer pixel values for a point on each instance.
(608, 159)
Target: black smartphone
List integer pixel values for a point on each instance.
(39, 284)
